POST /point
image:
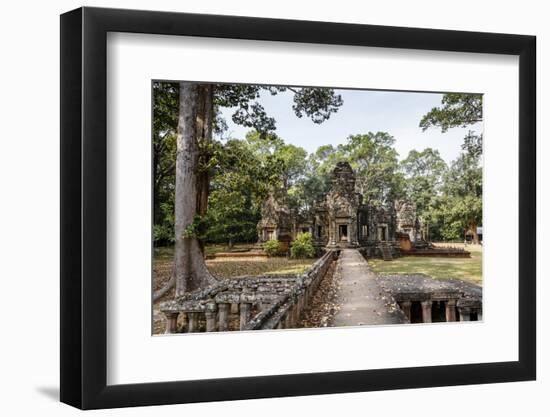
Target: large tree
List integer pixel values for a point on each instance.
(460, 205)
(374, 160)
(196, 120)
(458, 110)
(165, 122)
(423, 171)
(236, 190)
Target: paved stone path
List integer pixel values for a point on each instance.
(363, 301)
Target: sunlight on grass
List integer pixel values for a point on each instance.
(467, 269)
(233, 267)
(229, 267)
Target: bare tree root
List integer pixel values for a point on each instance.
(207, 279)
(167, 287)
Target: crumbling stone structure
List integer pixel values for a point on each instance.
(425, 300)
(341, 220)
(406, 220)
(276, 222)
(247, 303)
(336, 218)
(278, 302)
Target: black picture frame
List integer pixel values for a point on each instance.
(84, 207)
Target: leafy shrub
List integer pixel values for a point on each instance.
(163, 235)
(272, 247)
(302, 247)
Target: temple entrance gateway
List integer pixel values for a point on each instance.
(341, 219)
(343, 232)
(383, 233)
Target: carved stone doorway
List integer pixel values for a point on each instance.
(343, 232)
(383, 233)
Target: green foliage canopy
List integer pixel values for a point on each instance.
(244, 171)
(459, 205)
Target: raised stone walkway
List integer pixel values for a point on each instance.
(363, 301)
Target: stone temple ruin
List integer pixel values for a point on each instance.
(344, 227)
(279, 301)
(344, 220)
(247, 303)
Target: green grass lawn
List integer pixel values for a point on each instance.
(467, 269)
(167, 252)
(234, 267)
(228, 267)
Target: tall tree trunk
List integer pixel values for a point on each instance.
(473, 228)
(190, 268)
(156, 197)
(204, 125)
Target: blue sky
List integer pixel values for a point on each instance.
(397, 113)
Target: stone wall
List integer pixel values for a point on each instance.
(425, 300)
(372, 249)
(265, 302)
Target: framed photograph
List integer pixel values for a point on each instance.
(257, 208)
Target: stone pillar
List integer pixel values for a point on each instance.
(245, 314)
(427, 311)
(450, 310)
(352, 231)
(288, 319)
(223, 313)
(406, 307)
(183, 320)
(301, 304)
(297, 312)
(171, 322)
(464, 313)
(193, 321)
(210, 313)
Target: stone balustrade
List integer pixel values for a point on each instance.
(426, 300)
(266, 302)
(445, 302)
(470, 309)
